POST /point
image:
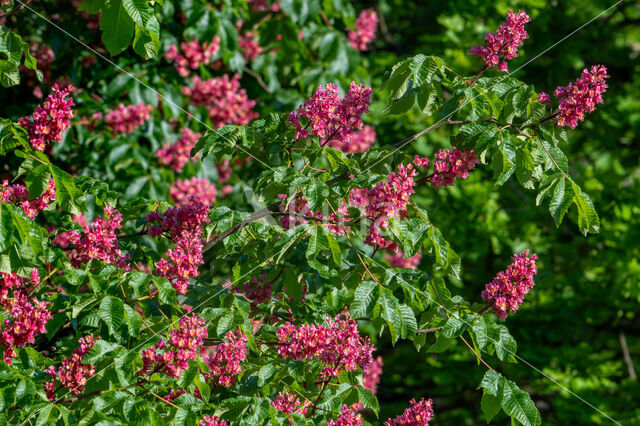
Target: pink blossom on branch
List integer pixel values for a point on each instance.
(72, 374)
(17, 194)
(50, 119)
(365, 32)
(186, 191)
(192, 55)
(224, 99)
(330, 117)
(28, 316)
(452, 165)
(581, 97)
(348, 417)
(212, 421)
(505, 42)
(225, 364)
(288, 403)
(125, 119)
(176, 155)
(358, 141)
(418, 414)
(507, 290)
(397, 260)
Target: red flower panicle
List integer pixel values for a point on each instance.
(72, 374)
(544, 98)
(249, 45)
(99, 241)
(183, 226)
(505, 42)
(338, 346)
(330, 118)
(50, 119)
(125, 119)
(258, 289)
(418, 414)
(301, 214)
(358, 141)
(506, 292)
(365, 32)
(225, 100)
(192, 55)
(225, 362)
(212, 421)
(397, 260)
(288, 403)
(186, 191)
(28, 315)
(185, 342)
(349, 416)
(176, 155)
(17, 194)
(451, 165)
(581, 97)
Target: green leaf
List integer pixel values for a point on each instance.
(316, 193)
(560, 200)
(68, 195)
(37, 180)
(368, 399)
(454, 327)
(492, 382)
(518, 404)
(479, 331)
(364, 298)
(391, 313)
(111, 311)
(490, 405)
(588, 220)
(117, 27)
(140, 11)
(46, 415)
(398, 81)
(166, 292)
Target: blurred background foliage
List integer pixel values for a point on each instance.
(587, 295)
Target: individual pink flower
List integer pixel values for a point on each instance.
(50, 119)
(186, 191)
(72, 374)
(185, 343)
(338, 346)
(543, 98)
(99, 241)
(177, 154)
(125, 119)
(397, 260)
(330, 117)
(26, 316)
(17, 194)
(225, 364)
(418, 414)
(581, 97)
(192, 55)
(183, 226)
(507, 290)
(349, 416)
(365, 32)
(505, 42)
(224, 99)
(358, 141)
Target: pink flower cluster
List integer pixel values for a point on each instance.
(185, 342)
(63, 239)
(176, 155)
(330, 118)
(418, 414)
(257, 289)
(357, 142)
(225, 362)
(72, 374)
(397, 260)
(17, 194)
(506, 292)
(125, 119)
(99, 241)
(301, 214)
(50, 119)
(288, 403)
(249, 45)
(28, 315)
(452, 165)
(581, 97)
(183, 225)
(264, 6)
(212, 421)
(193, 55)
(348, 417)
(186, 191)
(505, 42)
(338, 346)
(365, 32)
(371, 374)
(225, 100)
(389, 199)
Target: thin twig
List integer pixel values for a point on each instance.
(258, 78)
(627, 356)
(476, 354)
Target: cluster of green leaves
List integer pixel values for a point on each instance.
(12, 47)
